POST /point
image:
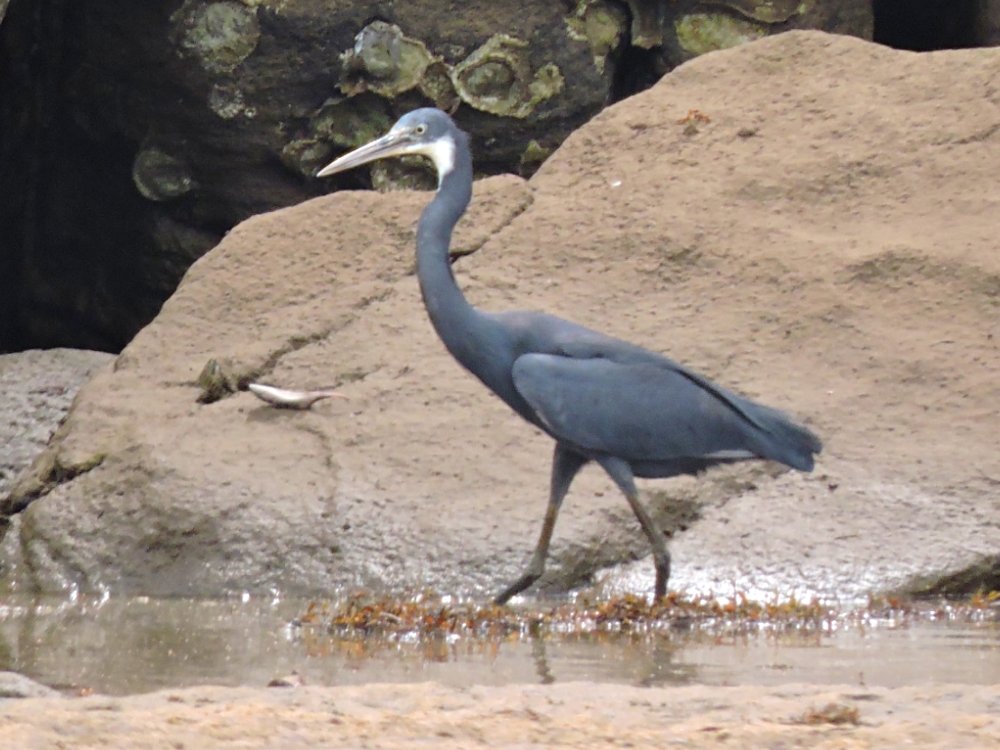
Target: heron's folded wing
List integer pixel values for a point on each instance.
(640, 412)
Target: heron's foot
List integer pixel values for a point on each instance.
(517, 587)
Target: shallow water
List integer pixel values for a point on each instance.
(128, 645)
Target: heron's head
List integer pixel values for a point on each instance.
(428, 132)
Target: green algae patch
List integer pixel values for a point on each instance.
(339, 124)
(219, 379)
(497, 78)
(436, 85)
(770, 12)
(699, 33)
(404, 173)
(158, 176)
(384, 61)
(647, 23)
(349, 123)
(226, 100)
(219, 35)
(533, 157)
(600, 24)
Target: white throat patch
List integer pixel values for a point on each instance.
(442, 153)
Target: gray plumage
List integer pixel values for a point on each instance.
(633, 411)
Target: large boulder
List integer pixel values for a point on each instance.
(134, 135)
(809, 219)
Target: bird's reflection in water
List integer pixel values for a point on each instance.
(542, 669)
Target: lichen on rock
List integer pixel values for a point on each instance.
(647, 23)
(350, 123)
(601, 24)
(770, 11)
(158, 176)
(226, 100)
(343, 123)
(496, 78)
(384, 61)
(220, 35)
(219, 379)
(533, 156)
(436, 85)
(306, 155)
(406, 173)
(699, 33)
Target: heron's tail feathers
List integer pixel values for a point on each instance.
(784, 440)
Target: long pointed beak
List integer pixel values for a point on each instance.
(390, 144)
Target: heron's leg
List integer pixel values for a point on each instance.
(565, 465)
(621, 472)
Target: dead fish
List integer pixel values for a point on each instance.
(288, 399)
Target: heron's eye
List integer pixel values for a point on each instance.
(420, 129)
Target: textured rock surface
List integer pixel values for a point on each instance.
(825, 242)
(192, 517)
(38, 388)
(14, 685)
(133, 136)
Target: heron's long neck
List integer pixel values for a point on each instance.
(453, 317)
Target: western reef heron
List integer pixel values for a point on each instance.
(633, 411)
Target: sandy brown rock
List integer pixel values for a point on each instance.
(565, 715)
(824, 240)
(181, 479)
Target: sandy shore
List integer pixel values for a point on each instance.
(578, 715)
